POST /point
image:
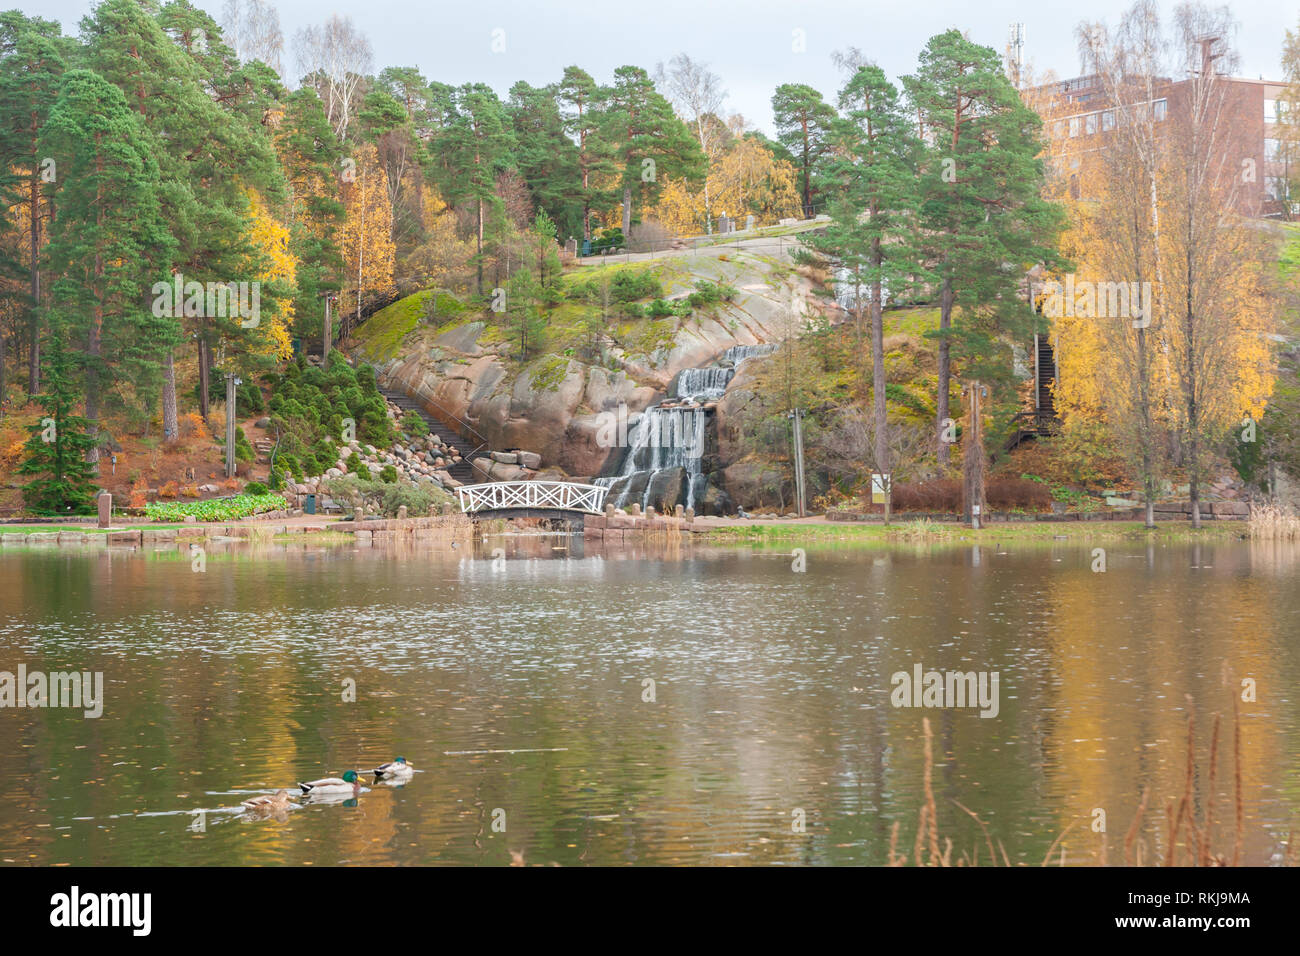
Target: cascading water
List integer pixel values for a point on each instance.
(671, 435)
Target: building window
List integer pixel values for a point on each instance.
(1160, 108)
(1107, 121)
(1272, 149)
(1074, 126)
(1058, 131)
(1090, 123)
(1275, 186)
(1270, 111)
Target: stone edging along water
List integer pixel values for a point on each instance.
(370, 530)
(614, 527)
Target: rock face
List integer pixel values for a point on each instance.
(666, 489)
(561, 408)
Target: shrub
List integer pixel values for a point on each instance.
(193, 426)
(628, 285)
(248, 396)
(413, 424)
(607, 240)
(662, 308)
(139, 492)
(388, 474)
(255, 488)
(942, 494)
(384, 498)
(710, 293)
(243, 450)
(354, 399)
(1006, 494)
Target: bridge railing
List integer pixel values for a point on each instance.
(557, 495)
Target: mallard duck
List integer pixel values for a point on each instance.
(397, 767)
(347, 784)
(269, 802)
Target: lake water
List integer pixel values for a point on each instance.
(771, 701)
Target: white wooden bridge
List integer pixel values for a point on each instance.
(505, 499)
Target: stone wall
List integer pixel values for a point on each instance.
(455, 526)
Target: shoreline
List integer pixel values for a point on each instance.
(711, 531)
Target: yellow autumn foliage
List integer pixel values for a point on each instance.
(369, 253)
(744, 179)
(442, 259)
(272, 241)
(1225, 347)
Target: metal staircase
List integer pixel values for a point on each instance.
(1043, 419)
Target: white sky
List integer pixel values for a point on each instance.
(747, 42)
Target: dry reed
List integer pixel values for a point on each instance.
(1180, 816)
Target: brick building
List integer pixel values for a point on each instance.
(1079, 118)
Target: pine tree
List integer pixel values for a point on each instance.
(581, 100)
(34, 56)
(803, 122)
(57, 449)
(108, 241)
(982, 210)
(547, 158)
(647, 139)
(174, 70)
(479, 143)
(871, 177)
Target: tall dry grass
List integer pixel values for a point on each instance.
(1188, 841)
(1274, 522)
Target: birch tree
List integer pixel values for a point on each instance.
(697, 93)
(335, 57)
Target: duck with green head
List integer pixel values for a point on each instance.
(397, 768)
(348, 784)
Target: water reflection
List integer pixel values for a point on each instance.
(516, 682)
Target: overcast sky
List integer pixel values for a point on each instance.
(749, 43)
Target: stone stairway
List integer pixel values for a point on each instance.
(463, 470)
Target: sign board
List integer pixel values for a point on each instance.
(879, 482)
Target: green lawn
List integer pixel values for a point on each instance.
(923, 530)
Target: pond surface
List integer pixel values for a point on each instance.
(519, 689)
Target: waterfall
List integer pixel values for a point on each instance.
(738, 353)
(703, 384)
(671, 435)
(662, 439)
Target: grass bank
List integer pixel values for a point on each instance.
(924, 530)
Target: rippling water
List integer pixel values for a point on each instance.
(771, 701)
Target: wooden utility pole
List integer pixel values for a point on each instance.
(205, 371)
(231, 383)
(327, 339)
(973, 459)
(796, 418)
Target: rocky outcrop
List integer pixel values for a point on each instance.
(561, 407)
(747, 478)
